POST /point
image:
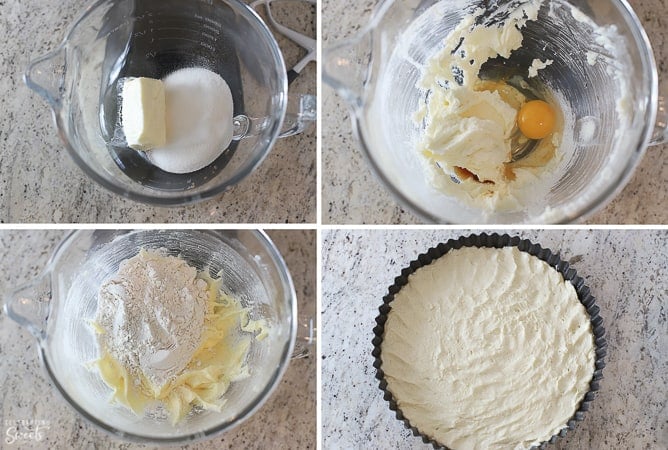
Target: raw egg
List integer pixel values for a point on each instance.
(536, 119)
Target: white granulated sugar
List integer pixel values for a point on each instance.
(199, 120)
(153, 312)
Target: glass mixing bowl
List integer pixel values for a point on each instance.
(377, 71)
(57, 307)
(114, 39)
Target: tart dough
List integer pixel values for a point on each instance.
(488, 349)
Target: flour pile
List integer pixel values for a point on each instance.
(170, 337)
(153, 312)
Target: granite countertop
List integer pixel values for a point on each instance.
(355, 195)
(40, 183)
(625, 270)
(286, 421)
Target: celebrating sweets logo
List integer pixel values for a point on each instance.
(25, 430)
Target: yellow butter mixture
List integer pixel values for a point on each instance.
(476, 129)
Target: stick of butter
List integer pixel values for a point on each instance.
(143, 113)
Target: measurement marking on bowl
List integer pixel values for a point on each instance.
(195, 41)
(211, 28)
(209, 46)
(141, 16)
(209, 36)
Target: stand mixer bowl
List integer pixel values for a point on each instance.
(378, 70)
(114, 39)
(58, 306)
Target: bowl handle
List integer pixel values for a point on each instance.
(29, 305)
(660, 135)
(347, 63)
(302, 111)
(346, 67)
(306, 337)
(46, 76)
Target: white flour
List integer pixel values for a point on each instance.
(153, 312)
(199, 113)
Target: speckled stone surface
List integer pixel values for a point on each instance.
(625, 271)
(356, 196)
(40, 183)
(286, 421)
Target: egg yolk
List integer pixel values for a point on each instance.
(536, 119)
